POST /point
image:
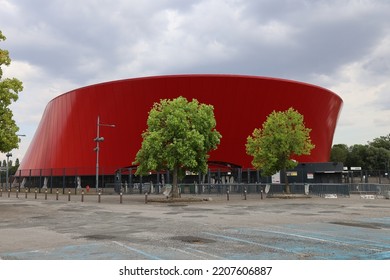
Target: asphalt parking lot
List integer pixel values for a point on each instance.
(345, 228)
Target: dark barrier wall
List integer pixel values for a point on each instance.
(64, 137)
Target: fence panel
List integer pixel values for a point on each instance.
(216, 181)
(323, 189)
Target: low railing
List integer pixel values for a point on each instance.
(255, 188)
(250, 190)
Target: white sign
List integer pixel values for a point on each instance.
(356, 168)
(276, 178)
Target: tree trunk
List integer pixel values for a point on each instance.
(175, 188)
(287, 186)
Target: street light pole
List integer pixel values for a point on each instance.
(99, 139)
(8, 155)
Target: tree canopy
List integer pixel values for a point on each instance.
(179, 136)
(339, 153)
(381, 142)
(282, 137)
(9, 89)
(372, 156)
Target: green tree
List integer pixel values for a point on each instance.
(179, 136)
(378, 158)
(381, 142)
(9, 89)
(382, 156)
(357, 156)
(14, 168)
(368, 157)
(282, 137)
(339, 153)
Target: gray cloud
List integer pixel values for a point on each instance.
(341, 45)
(288, 38)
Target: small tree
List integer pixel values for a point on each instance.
(282, 137)
(9, 89)
(339, 153)
(179, 136)
(13, 168)
(381, 142)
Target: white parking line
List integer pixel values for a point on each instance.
(318, 239)
(137, 251)
(252, 243)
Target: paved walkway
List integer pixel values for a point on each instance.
(280, 229)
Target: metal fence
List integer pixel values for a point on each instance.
(257, 188)
(320, 190)
(215, 181)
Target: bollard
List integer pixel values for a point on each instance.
(9, 192)
(68, 194)
(120, 198)
(82, 196)
(245, 194)
(17, 193)
(261, 193)
(57, 194)
(146, 198)
(36, 193)
(1, 192)
(45, 194)
(26, 191)
(227, 194)
(99, 195)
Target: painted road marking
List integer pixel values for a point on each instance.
(188, 253)
(137, 251)
(207, 254)
(373, 237)
(318, 239)
(252, 243)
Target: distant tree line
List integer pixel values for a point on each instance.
(11, 165)
(374, 155)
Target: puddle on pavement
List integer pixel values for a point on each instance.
(357, 224)
(192, 239)
(99, 237)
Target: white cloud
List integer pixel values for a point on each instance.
(39, 88)
(364, 89)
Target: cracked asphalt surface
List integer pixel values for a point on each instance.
(274, 229)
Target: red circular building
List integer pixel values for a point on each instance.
(64, 140)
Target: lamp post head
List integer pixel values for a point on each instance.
(104, 124)
(99, 139)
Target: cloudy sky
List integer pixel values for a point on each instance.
(342, 45)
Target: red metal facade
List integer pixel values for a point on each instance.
(64, 137)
